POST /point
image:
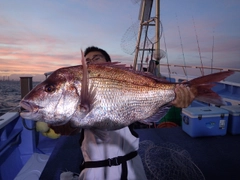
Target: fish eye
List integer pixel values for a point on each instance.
(50, 88)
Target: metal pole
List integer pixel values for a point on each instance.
(26, 85)
(157, 28)
(139, 36)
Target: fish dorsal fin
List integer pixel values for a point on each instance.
(87, 94)
(119, 65)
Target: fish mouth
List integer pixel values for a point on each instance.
(31, 109)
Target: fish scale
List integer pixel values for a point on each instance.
(108, 96)
(131, 100)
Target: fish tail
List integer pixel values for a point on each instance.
(201, 87)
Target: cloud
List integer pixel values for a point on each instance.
(37, 37)
(36, 63)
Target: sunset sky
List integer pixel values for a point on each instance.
(38, 36)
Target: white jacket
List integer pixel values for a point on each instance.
(121, 142)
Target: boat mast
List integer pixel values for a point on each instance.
(145, 20)
(143, 3)
(157, 55)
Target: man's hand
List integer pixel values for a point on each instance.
(184, 96)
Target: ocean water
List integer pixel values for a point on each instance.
(10, 95)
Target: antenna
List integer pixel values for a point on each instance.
(199, 51)
(184, 68)
(165, 45)
(212, 54)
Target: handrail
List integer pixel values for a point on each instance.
(200, 67)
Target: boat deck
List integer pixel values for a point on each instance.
(217, 157)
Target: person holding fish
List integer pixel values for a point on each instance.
(103, 99)
(116, 157)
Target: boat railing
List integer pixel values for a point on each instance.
(228, 90)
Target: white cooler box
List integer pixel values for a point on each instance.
(233, 119)
(204, 121)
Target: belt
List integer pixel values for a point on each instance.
(112, 162)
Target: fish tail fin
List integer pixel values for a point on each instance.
(201, 87)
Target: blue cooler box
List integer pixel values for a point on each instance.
(233, 119)
(204, 121)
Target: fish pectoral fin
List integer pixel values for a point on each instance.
(85, 84)
(88, 94)
(158, 115)
(88, 102)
